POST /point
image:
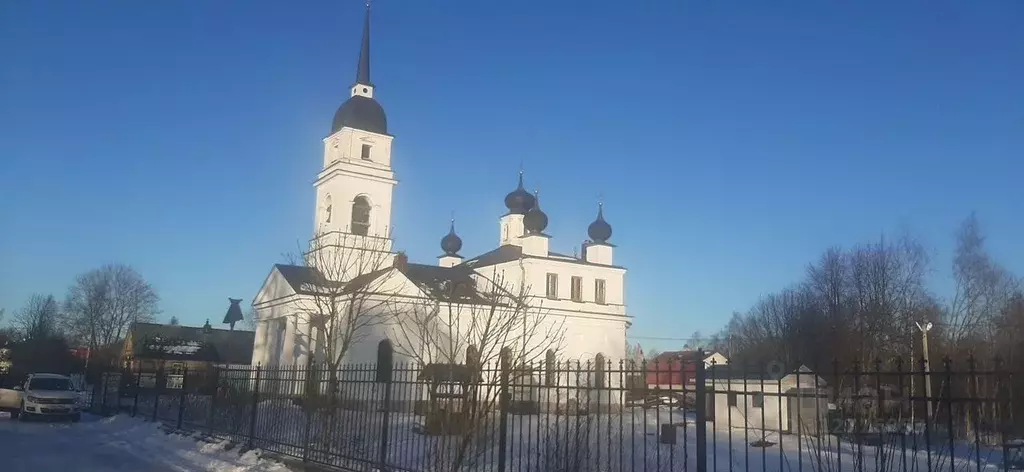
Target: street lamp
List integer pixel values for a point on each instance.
(927, 326)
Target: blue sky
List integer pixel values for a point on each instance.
(732, 141)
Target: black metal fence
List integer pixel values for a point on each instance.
(611, 416)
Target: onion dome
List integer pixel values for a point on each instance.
(535, 220)
(361, 113)
(519, 201)
(451, 243)
(600, 231)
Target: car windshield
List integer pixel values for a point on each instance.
(49, 384)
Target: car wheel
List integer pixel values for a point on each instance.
(23, 417)
(15, 413)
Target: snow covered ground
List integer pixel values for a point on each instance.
(117, 443)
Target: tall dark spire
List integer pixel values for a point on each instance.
(363, 70)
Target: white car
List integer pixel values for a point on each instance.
(42, 395)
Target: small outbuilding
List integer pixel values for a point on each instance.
(448, 405)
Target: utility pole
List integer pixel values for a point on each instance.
(927, 365)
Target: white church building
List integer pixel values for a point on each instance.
(583, 295)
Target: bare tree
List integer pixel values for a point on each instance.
(855, 305)
(103, 303)
(981, 287)
(634, 353)
(476, 322)
(40, 318)
(346, 295)
(250, 321)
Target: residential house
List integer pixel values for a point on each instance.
(173, 348)
(671, 370)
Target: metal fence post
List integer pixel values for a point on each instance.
(135, 401)
(156, 390)
(702, 412)
(103, 392)
(309, 406)
(213, 396)
(255, 406)
(385, 374)
(503, 405)
(181, 397)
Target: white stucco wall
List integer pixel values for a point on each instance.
(533, 272)
(775, 412)
(346, 175)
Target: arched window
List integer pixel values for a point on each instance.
(360, 216)
(328, 209)
(549, 368)
(472, 356)
(599, 370)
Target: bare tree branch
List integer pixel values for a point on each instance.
(347, 296)
(104, 302)
(981, 286)
(486, 321)
(40, 318)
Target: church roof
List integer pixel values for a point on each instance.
(505, 253)
(511, 252)
(300, 278)
(444, 283)
(441, 283)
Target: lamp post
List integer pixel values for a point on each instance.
(925, 327)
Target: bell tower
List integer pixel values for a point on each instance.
(354, 188)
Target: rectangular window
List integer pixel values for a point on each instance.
(365, 154)
(758, 400)
(599, 291)
(553, 286)
(732, 398)
(576, 289)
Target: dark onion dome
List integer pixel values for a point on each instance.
(519, 201)
(535, 220)
(361, 113)
(600, 231)
(451, 243)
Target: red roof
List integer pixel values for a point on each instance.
(684, 355)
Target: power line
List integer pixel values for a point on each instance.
(657, 338)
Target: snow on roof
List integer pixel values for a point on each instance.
(181, 348)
